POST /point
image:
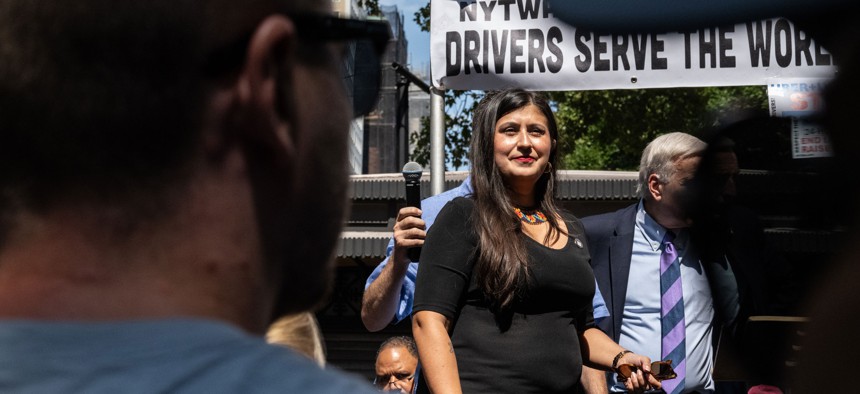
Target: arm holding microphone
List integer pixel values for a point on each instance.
(382, 294)
(390, 288)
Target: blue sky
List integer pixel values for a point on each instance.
(419, 41)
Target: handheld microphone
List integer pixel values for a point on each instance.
(412, 176)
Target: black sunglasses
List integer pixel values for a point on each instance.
(367, 43)
(381, 381)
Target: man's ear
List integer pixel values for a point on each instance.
(655, 187)
(262, 88)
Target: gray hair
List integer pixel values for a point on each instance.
(661, 154)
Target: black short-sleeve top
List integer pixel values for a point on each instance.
(533, 347)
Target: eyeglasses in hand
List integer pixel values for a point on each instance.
(660, 370)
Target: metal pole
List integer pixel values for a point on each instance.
(401, 117)
(437, 141)
(411, 77)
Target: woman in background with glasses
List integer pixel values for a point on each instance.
(504, 291)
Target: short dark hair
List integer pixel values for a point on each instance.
(101, 102)
(399, 341)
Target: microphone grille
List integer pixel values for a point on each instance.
(412, 167)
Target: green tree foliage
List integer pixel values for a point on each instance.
(459, 106)
(607, 129)
(422, 17)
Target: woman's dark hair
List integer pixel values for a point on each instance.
(502, 264)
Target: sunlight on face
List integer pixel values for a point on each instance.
(522, 146)
(395, 370)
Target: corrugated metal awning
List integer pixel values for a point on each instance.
(363, 244)
(600, 185)
(391, 186)
(596, 185)
(371, 243)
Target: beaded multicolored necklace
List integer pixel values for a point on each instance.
(532, 217)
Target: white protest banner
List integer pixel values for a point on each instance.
(799, 98)
(491, 44)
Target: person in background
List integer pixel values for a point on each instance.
(505, 270)
(661, 300)
(396, 365)
(154, 159)
(299, 332)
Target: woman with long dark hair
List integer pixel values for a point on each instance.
(503, 296)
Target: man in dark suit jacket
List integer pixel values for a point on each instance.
(626, 246)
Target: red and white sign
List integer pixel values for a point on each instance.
(799, 98)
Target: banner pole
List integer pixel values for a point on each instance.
(437, 140)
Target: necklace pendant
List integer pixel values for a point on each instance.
(533, 217)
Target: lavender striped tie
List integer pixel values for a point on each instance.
(672, 314)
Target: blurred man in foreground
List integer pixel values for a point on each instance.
(157, 163)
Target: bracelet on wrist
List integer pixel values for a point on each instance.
(618, 357)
